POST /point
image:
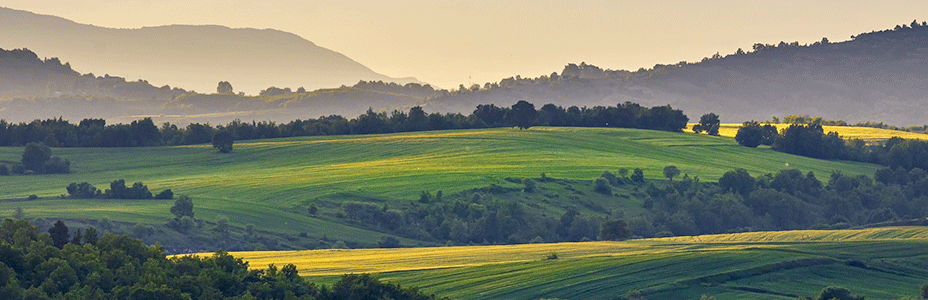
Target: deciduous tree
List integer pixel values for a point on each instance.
(222, 141)
(671, 171)
(521, 115)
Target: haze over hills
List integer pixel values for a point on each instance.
(877, 76)
(192, 57)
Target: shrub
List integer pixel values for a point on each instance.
(838, 293)
(166, 194)
(222, 225)
(57, 165)
(33, 197)
(611, 178)
(35, 155)
(614, 230)
(339, 245)
(424, 197)
(18, 168)
(186, 223)
(313, 209)
(663, 233)
(82, 191)
(141, 231)
(105, 224)
(4, 170)
(530, 185)
(18, 213)
(637, 175)
(183, 207)
(389, 242)
(602, 186)
(223, 141)
(552, 256)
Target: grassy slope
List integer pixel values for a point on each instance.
(867, 134)
(730, 266)
(267, 182)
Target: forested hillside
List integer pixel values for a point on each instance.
(874, 77)
(877, 76)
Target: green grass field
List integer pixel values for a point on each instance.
(268, 182)
(879, 263)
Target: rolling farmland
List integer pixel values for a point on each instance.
(268, 182)
(877, 262)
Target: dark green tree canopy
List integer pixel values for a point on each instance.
(225, 88)
(738, 181)
(222, 141)
(750, 135)
(183, 207)
(521, 115)
(637, 175)
(35, 155)
(118, 267)
(671, 171)
(709, 123)
(614, 230)
(59, 234)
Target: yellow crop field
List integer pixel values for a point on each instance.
(867, 134)
(342, 261)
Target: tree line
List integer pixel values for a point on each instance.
(812, 141)
(54, 265)
(141, 133)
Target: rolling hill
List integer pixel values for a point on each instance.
(191, 57)
(877, 263)
(270, 183)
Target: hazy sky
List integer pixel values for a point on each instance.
(447, 43)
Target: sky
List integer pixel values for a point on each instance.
(447, 43)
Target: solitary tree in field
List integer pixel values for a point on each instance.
(183, 207)
(670, 172)
(35, 156)
(223, 141)
(521, 115)
(709, 123)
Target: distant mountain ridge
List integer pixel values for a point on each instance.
(878, 76)
(188, 56)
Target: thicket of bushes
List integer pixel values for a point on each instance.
(37, 159)
(739, 202)
(117, 190)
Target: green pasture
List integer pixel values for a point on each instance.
(269, 183)
(877, 269)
